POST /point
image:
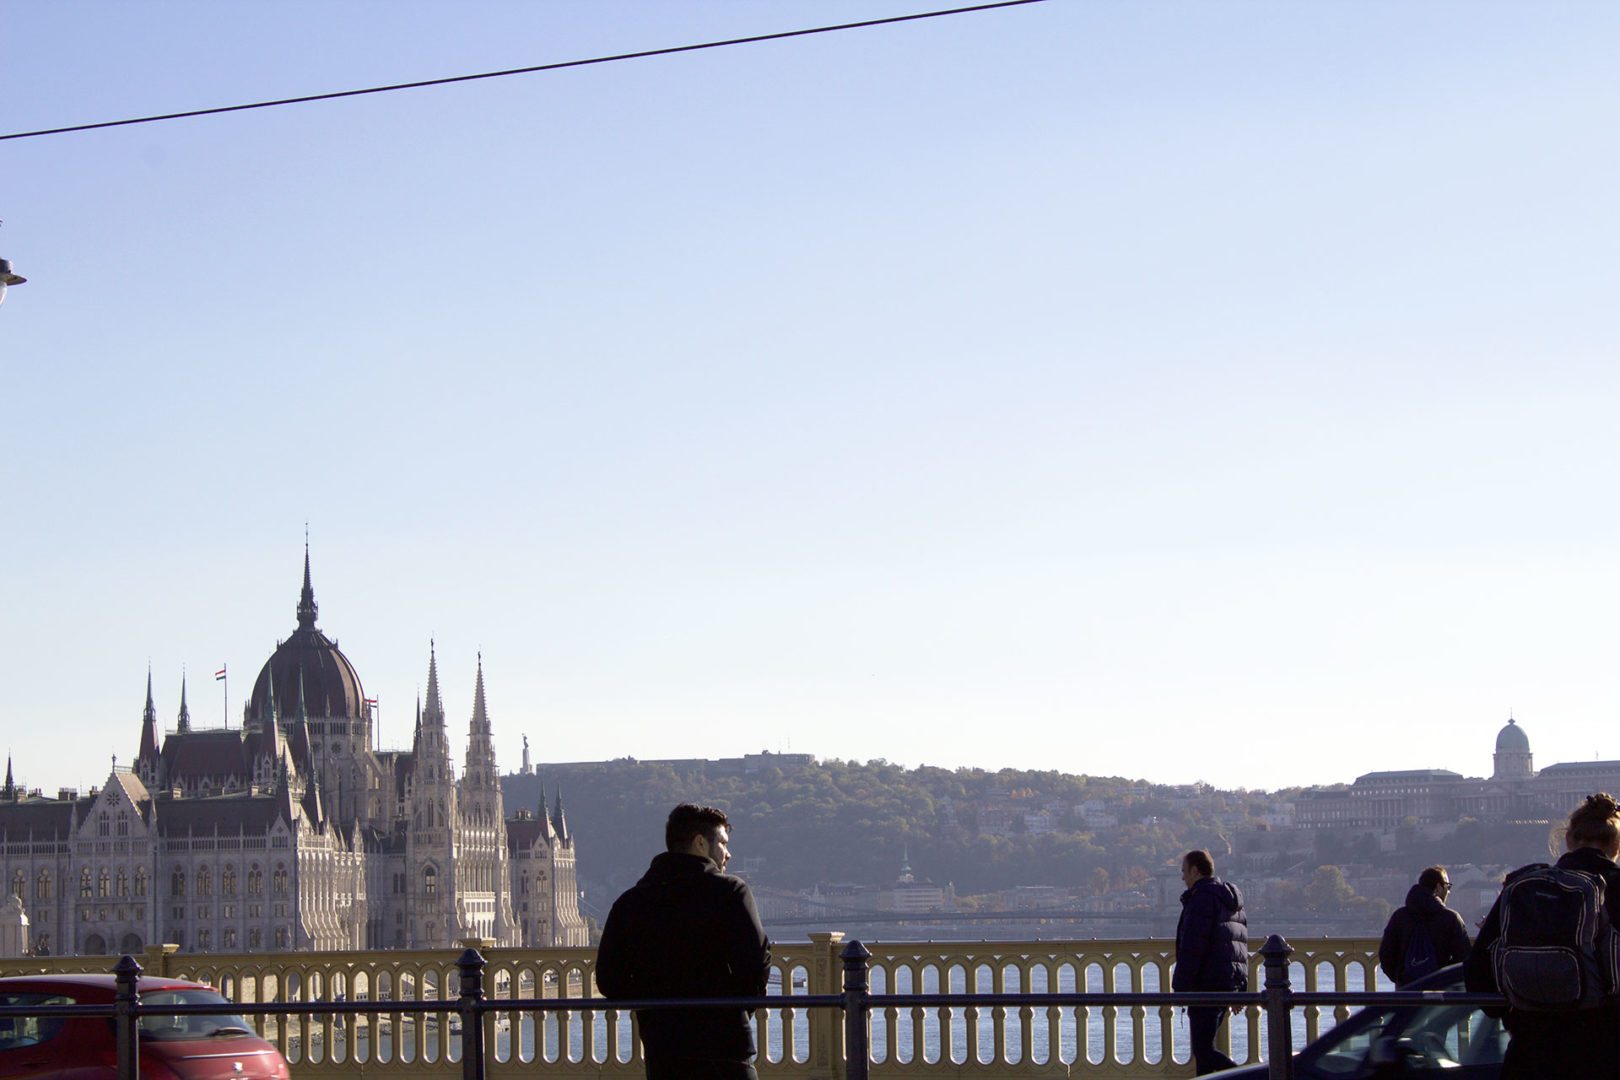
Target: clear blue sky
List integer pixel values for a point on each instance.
(1189, 391)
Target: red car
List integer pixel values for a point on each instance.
(213, 1047)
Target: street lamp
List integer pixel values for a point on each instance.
(8, 278)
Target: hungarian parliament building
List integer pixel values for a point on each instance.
(291, 832)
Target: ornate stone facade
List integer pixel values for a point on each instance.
(292, 832)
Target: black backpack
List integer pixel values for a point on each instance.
(1558, 950)
(1420, 957)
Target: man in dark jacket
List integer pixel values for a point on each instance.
(1424, 912)
(687, 930)
(1212, 953)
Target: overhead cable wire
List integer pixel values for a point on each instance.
(642, 55)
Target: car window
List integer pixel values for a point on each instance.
(171, 1026)
(1446, 1036)
(1347, 1054)
(19, 1031)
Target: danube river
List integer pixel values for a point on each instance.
(893, 1032)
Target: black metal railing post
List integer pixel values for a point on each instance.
(126, 1024)
(471, 964)
(1279, 1009)
(857, 997)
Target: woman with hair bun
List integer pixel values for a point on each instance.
(1582, 1042)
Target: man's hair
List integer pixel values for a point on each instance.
(689, 820)
(1432, 877)
(1199, 861)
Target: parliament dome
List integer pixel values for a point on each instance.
(330, 685)
(1512, 737)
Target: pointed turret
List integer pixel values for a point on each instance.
(313, 808)
(298, 737)
(271, 715)
(544, 815)
(147, 758)
(307, 608)
(434, 773)
(481, 768)
(9, 792)
(435, 707)
(481, 803)
(560, 818)
(185, 713)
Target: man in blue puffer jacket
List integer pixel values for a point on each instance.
(1212, 953)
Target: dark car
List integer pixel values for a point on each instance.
(1457, 1041)
(173, 1047)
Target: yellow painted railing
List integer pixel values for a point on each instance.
(1103, 1042)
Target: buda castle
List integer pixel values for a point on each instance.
(292, 832)
(1515, 792)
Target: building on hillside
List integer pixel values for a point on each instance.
(1514, 792)
(291, 832)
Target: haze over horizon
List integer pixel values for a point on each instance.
(1173, 392)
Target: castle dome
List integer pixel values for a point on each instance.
(309, 664)
(1512, 737)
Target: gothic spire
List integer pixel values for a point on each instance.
(544, 815)
(270, 715)
(560, 817)
(10, 790)
(185, 713)
(435, 706)
(306, 599)
(480, 716)
(301, 712)
(149, 747)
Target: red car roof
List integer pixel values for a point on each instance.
(105, 986)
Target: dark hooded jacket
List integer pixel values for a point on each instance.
(1422, 908)
(1212, 938)
(686, 930)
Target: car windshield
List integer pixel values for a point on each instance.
(168, 1026)
(1430, 1038)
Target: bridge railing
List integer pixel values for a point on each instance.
(1095, 1008)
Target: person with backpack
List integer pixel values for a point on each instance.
(1423, 935)
(1550, 947)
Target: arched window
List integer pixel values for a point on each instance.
(281, 937)
(205, 881)
(140, 881)
(177, 882)
(255, 938)
(227, 881)
(255, 882)
(278, 881)
(123, 823)
(19, 885)
(42, 885)
(202, 940)
(430, 881)
(104, 883)
(123, 882)
(103, 824)
(84, 883)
